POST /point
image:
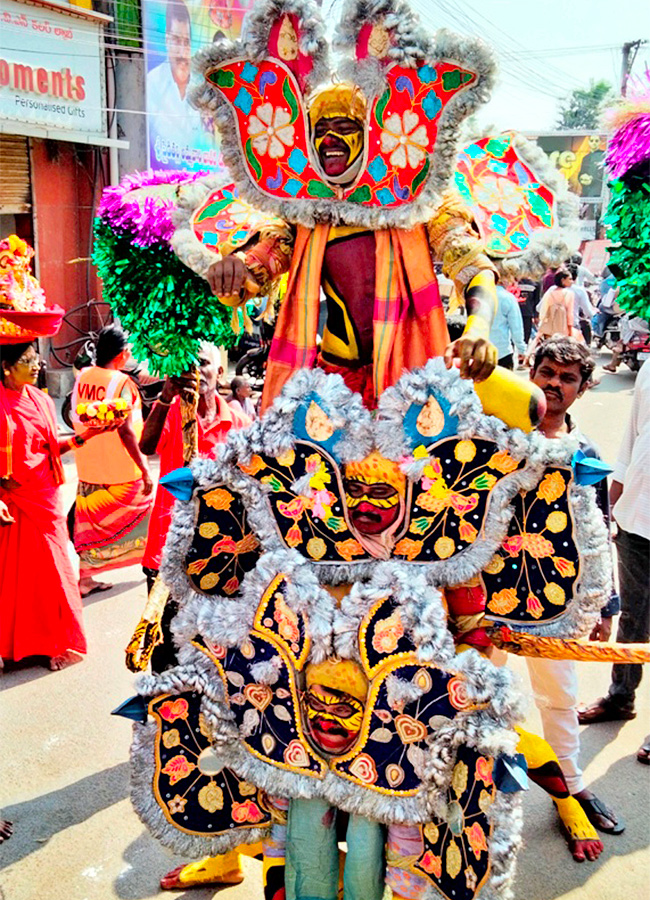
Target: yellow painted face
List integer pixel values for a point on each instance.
(373, 489)
(337, 131)
(337, 115)
(334, 718)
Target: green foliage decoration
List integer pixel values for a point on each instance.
(628, 229)
(166, 308)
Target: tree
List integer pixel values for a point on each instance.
(582, 107)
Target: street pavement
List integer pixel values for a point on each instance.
(65, 770)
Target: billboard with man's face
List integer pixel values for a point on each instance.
(580, 158)
(180, 137)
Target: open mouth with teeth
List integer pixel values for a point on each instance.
(334, 155)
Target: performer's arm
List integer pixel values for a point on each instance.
(253, 269)
(477, 355)
(455, 240)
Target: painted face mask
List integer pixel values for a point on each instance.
(337, 116)
(374, 493)
(353, 141)
(333, 705)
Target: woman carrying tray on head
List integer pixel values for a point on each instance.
(39, 616)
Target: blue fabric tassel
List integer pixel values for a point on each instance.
(510, 773)
(588, 469)
(134, 708)
(179, 483)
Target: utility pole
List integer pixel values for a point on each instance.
(629, 51)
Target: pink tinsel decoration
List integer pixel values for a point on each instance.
(149, 221)
(630, 117)
(629, 146)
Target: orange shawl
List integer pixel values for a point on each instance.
(409, 321)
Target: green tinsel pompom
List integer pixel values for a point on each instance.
(166, 308)
(628, 221)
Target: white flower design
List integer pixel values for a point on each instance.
(500, 194)
(270, 130)
(406, 138)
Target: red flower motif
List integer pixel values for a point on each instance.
(224, 545)
(484, 770)
(467, 531)
(476, 839)
(171, 710)
(178, 768)
(462, 504)
(247, 811)
(231, 585)
(294, 509)
(294, 536)
(431, 863)
(537, 545)
(513, 545)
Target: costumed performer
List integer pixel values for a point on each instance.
(384, 315)
(163, 434)
(114, 493)
(384, 312)
(41, 610)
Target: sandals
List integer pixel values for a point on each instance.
(643, 755)
(604, 710)
(594, 808)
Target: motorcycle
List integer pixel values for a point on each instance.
(636, 351)
(253, 362)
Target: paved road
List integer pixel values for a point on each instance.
(65, 780)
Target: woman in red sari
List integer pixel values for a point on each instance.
(40, 605)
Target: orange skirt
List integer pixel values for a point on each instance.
(110, 528)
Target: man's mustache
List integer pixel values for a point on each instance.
(555, 391)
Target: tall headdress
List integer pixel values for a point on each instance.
(417, 89)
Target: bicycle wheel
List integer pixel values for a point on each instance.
(80, 324)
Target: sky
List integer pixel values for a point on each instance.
(544, 49)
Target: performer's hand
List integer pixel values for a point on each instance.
(602, 630)
(477, 356)
(5, 516)
(147, 483)
(226, 277)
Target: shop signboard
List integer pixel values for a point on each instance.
(51, 69)
(180, 137)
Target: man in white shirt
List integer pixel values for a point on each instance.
(562, 368)
(630, 501)
(173, 123)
